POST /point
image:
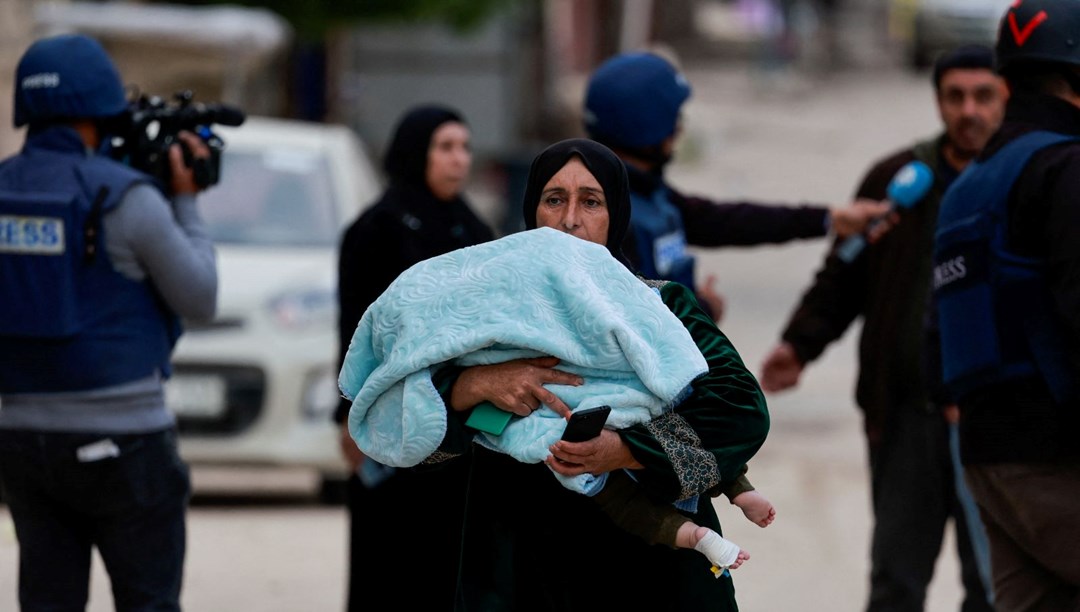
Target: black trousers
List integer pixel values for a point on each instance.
(407, 529)
(129, 503)
(914, 498)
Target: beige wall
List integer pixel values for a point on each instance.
(244, 74)
(15, 35)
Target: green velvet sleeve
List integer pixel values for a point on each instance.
(703, 445)
(740, 485)
(458, 439)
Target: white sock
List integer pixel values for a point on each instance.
(720, 551)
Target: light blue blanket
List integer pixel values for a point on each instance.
(529, 294)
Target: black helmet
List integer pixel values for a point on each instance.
(1039, 31)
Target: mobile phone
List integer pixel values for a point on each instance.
(586, 424)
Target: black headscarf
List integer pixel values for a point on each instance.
(604, 165)
(407, 156)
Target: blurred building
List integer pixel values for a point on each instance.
(518, 77)
(222, 53)
(15, 36)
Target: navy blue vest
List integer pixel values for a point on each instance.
(68, 321)
(995, 309)
(660, 239)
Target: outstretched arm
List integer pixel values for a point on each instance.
(829, 306)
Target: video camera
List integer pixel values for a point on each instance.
(142, 135)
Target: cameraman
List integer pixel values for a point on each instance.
(96, 269)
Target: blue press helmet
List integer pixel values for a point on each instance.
(66, 77)
(633, 100)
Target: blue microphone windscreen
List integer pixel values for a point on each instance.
(910, 184)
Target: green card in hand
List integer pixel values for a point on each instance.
(486, 417)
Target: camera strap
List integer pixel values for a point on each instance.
(92, 225)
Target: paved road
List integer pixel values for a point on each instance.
(748, 136)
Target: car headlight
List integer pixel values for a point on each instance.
(321, 395)
(303, 309)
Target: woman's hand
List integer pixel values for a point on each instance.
(514, 386)
(603, 453)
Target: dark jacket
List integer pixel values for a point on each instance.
(1019, 421)
(889, 287)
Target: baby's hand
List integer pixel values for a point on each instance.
(756, 507)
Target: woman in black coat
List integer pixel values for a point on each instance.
(406, 522)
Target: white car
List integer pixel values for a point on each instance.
(258, 385)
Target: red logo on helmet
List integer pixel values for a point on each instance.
(1021, 35)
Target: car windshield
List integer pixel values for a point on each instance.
(273, 197)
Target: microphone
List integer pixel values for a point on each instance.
(907, 187)
(225, 114)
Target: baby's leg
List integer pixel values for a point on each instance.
(625, 502)
(756, 507)
(721, 552)
(628, 508)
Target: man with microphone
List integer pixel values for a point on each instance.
(906, 416)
